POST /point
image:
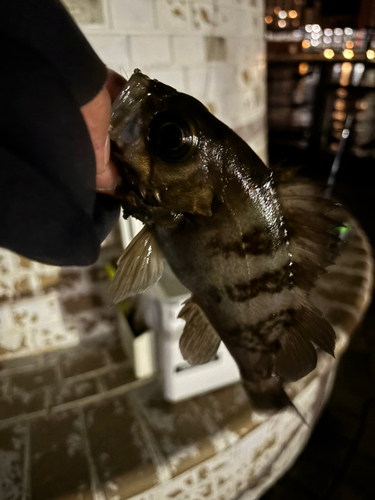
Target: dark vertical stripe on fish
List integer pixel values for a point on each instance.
(269, 282)
(255, 242)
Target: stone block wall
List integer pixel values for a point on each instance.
(212, 49)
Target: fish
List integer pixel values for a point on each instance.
(248, 241)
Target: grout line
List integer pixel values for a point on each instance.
(107, 357)
(96, 485)
(163, 470)
(76, 403)
(6, 386)
(22, 418)
(100, 397)
(100, 385)
(26, 479)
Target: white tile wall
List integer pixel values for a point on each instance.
(188, 50)
(173, 77)
(173, 16)
(169, 40)
(150, 50)
(132, 15)
(112, 49)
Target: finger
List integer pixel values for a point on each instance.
(114, 84)
(107, 181)
(96, 114)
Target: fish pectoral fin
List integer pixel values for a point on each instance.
(199, 341)
(139, 267)
(297, 356)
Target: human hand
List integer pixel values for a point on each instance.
(97, 114)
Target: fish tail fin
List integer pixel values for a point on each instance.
(269, 395)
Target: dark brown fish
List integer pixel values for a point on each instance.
(248, 242)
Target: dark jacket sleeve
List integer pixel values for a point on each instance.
(49, 210)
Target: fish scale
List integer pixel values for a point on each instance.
(248, 242)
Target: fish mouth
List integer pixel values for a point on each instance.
(135, 197)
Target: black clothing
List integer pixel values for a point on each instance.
(49, 210)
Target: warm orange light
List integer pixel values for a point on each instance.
(348, 54)
(342, 93)
(328, 53)
(305, 44)
(339, 115)
(268, 19)
(361, 105)
(303, 68)
(370, 54)
(281, 23)
(346, 69)
(277, 10)
(292, 14)
(339, 104)
(349, 45)
(337, 125)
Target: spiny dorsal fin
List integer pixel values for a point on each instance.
(139, 267)
(199, 341)
(311, 222)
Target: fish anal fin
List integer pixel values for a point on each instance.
(199, 341)
(296, 358)
(139, 267)
(313, 326)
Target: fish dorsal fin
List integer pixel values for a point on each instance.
(139, 267)
(297, 356)
(199, 341)
(311, 222)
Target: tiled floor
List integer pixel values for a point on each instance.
(339, 460)
(55, 414)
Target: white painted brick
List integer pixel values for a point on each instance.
(12, 340)
(112, 49)
(216, 78)
(6, 318)
(172, 77)
(188, 50)
(222, 77)
(173, 15)
(132, 15)
(198, 82)
(204, 18)
(242, 50)
(239, 107)
(150, 51)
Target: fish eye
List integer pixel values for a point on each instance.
(172, 136)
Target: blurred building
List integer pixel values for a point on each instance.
(321, 79)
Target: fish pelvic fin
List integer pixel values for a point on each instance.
(139, 267)
(199, 341)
